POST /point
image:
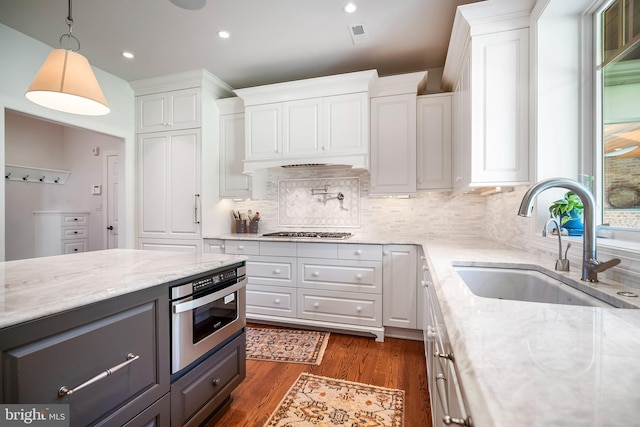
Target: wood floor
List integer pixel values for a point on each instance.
(395, 363)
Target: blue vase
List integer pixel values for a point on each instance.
(575, 225)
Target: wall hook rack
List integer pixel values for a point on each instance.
(37, 175)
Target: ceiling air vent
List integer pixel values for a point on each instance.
(358, 33)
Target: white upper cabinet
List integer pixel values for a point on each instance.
(321, 120)
(263, 132)
(393, 133)
(233, 183)
(174, 110)
(434, 142)
(488, 69)
(302, 125)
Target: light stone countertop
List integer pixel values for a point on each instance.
(529, 364)
(535, 364)
(37, 287)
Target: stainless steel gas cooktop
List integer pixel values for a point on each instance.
(310, 234)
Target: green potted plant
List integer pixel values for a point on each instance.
(568, 210)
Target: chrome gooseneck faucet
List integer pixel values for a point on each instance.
(590, 264)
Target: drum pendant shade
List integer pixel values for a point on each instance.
(67, 83)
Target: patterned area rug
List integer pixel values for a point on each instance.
(322, 401)
(286, 345)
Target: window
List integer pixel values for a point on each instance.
(620, 64)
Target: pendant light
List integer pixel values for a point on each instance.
(66, 81)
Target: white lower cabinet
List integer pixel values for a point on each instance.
(400, 293)
(59, 233)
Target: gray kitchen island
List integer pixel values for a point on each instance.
(93, 331)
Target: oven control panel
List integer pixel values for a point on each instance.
(213, 280)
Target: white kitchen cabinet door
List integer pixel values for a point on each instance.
(302, 127)
(233, 183)
(347, 123)
(461, 107)
(399, 288)
(434, 142)
(393, 144)
(263, 132)
(174, 110)
(169, 184)
(500, 107)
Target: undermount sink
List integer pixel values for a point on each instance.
(526, 285)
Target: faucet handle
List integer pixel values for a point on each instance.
(599, 267)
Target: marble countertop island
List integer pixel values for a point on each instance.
(38, 287)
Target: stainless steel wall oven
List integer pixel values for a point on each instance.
(206, 312)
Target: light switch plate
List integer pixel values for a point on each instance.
(96, 189)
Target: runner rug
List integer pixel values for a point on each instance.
(322, 401)
(286, 345)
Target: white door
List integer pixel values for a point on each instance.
(111, 198)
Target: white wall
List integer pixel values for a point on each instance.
(37, 143)
(22, 57)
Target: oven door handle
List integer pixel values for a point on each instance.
(180, 307)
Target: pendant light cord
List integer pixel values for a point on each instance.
(69, 38)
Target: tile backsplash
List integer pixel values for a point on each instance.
(319, 202)
(289, 205)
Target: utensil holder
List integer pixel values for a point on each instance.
(241, 226)
(253, 226)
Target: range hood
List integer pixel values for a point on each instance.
(322, 121)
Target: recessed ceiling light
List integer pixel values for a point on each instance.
(224, 34)
(350, 7)
(128, 55)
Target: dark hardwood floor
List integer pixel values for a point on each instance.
(394, 363)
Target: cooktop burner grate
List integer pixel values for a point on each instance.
(310, 234)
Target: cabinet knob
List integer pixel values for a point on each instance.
(424, 283)
(241, 247)
(431, 333)
(358, 252)
(276, 271)
(75, 232)
(276, 301)
(359, 276)
(316, 305)
(315, 274)
(75, 219)
(75, 249)
(385, 253)
(358, 309)
(215, 382)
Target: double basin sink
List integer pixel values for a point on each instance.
(537, 285)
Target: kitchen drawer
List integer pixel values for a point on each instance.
(271, 300)
(156, 415)
(74, 246)
(363, 252)
(339, 275)
(278, 249)
(75, 219)
(278, 271)
(197, 395)
(74, 233)
(242, 247)
(341, 307)
(318, 250)
(36, 371)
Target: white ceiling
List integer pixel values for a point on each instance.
(271, 40)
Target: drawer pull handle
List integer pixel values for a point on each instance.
(215, 382)
(276, 301)
(276, 271)
(64, 391)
